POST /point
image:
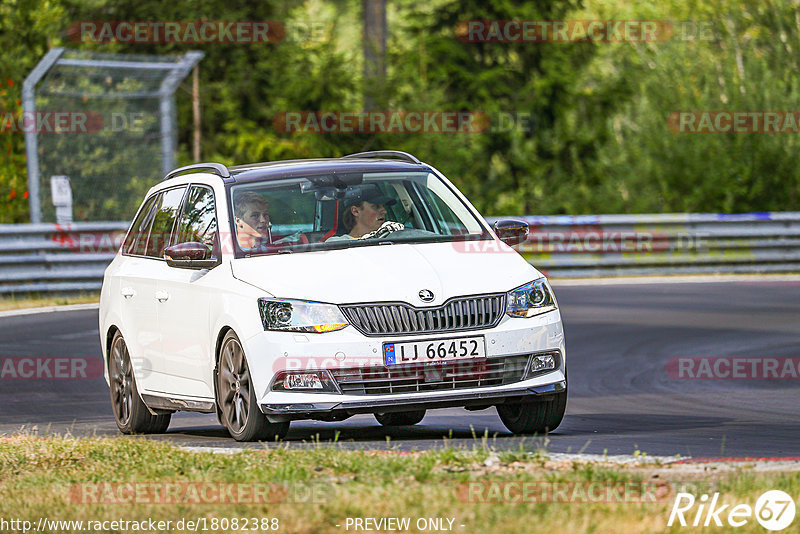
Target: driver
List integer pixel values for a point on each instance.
(365, 215)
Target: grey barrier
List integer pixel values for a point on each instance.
(50, 258)
(663, 244)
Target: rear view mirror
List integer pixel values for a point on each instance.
(511, 232)
(190, 255)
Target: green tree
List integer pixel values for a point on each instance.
(26, 34)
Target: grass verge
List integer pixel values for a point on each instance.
(37, 301)
(314, 490)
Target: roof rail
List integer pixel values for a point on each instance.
(217, 168)
(384, 154)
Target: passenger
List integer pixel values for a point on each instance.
(252, 221)
(365, 216)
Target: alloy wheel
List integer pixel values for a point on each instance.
(121, 378)
(234, 386)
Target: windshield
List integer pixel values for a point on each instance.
(341, 211)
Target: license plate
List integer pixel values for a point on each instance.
(462, 348)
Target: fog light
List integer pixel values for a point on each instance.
(304, 381)
(543, 362)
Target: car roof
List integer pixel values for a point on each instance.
(302, 167)
(275, 170)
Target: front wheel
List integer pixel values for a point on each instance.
(536, 417)
(236, 397)
(400, 418)
(130, 413)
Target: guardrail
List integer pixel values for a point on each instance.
(670, 243)
(49, 258)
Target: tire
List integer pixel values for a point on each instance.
(236, 398)
(400, 418)
(130, 413)
(537, 417)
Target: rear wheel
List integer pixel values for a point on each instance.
(536, 417)
(130, 413)
(400, 418)
(236, 397)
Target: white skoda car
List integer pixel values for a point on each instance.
(321, 289)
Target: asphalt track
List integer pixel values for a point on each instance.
(622, 399)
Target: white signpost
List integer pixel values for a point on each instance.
(62, 198)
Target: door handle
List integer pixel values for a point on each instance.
(127, 292)
(162, 296)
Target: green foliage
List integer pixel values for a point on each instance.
(744, 60)
(26, 34)
(546, 166)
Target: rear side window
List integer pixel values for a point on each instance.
(136, 241)
(166, 211)
(198, 220)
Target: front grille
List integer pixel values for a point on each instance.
(457, 314)
(462, 374)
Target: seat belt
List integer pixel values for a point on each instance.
(332, 231)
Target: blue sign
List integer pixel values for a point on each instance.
(388, 354)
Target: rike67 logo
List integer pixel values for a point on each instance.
(774, 510)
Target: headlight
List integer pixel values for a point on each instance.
(534, 298)
(300, 316)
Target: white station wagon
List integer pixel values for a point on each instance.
(321, 289)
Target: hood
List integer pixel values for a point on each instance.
(383, 273)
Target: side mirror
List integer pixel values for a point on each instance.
(511, 232)
(191, 255)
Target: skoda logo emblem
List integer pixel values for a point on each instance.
(426, 295)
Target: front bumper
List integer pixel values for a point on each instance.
(272, 352)
(336, 411)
